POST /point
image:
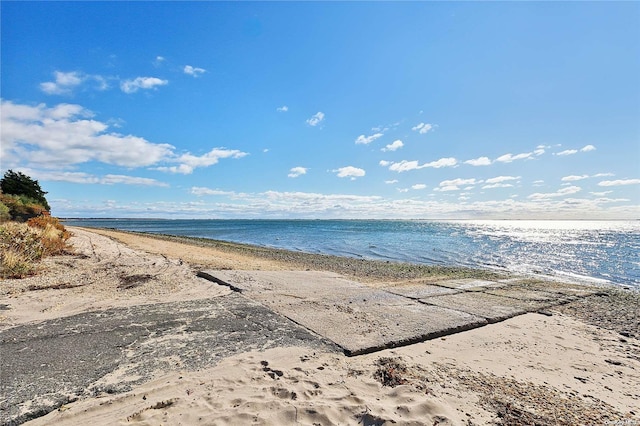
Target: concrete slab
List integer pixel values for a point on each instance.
(468, 284)
(492, 308)
(527, 294)
(357, 318)
(419, 291)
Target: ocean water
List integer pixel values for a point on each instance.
(601, 252)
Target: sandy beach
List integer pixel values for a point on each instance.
(143, 340)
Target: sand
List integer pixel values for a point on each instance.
(551, 368)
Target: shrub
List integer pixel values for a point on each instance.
(20, 248)
(17, 183)
(23, 245)
(21, 207)
(4, 212)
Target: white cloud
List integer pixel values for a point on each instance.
(443, 162)
(305, 205)
(391, 182)
(350, 172)
(404, 165)
(297, 171)
(588, 148)
(619, 182)
(146, 83)
(508, 158)
(540, 149)
(574, 178)
(66, 135)
(423, 128)
(455, 184)
(63, 135)
(458, 182)
(194, 71)
(159, 61)
(187, 163)
(316, 119)
(538, 183)
(384, 163)
(560, 193)
(394, 146)
(85, 178)
(480, 161)
(130, 180)
(199, 190)
(567, 152)
(500, 179)
(66, 82)
(362, 139)
(419, 186)
(497, 185)
(283, 108)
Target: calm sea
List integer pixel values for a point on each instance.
(577, 251)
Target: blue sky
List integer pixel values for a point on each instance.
(325, 109)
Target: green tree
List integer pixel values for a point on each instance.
(16, 183)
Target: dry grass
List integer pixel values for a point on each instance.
(23, 245)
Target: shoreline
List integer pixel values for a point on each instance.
(577, 360)
(378, 267)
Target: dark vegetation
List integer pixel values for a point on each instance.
(21, 198)
(27, 231)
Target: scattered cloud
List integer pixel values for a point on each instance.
(391, 182)
(350, 172)
(566, 152)
(480, 161)
(86, 178)
(574, 178)
(316, 119)
(362, 139)
(297, 171)
(159, 61)
(508, 158)
(384, 163)
(418, 186)
(66, 135)
(193, 71)
(501, 179)
(145, 83)
(405, 166)
(455, 184)
(540, 149)
(187, 163)
(500, 182)
(497, 185)
(619, 182)
(394, 146)
(283, 108)
(66, 83)
(199, 191)
(569, 190)
(423, 128)
(586, 148)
